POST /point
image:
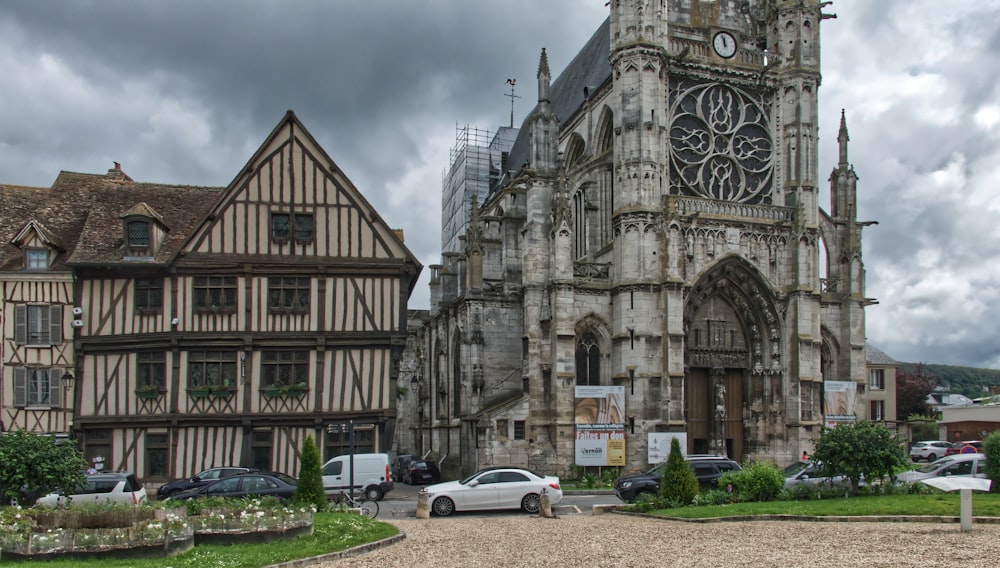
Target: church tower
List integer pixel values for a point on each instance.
(651, 268)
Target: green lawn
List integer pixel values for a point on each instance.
(332, 532)
(943, 504)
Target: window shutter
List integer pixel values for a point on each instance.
(20, 324)
(55, 325)
(55, 390)
(20, 386)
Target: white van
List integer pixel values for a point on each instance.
(371, 475)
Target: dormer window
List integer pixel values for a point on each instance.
(138, 238)
(143, 230)
(36, 259)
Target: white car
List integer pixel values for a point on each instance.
(929, 450)
(958, 465)
(494, 488)
(108, 487)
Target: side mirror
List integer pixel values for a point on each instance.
(473, 483)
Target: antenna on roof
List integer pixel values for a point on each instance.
(512, 96)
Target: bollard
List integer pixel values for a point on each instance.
(545, 510)
(423, 504)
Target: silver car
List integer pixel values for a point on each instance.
(958, 465)
(811, 473)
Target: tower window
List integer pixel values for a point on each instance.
(588, 361)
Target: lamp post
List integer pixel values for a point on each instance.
(348, 429)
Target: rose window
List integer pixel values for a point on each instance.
(720, 145)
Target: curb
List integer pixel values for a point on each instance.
(821, 519)
(347, 553)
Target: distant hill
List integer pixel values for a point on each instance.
(971, 382)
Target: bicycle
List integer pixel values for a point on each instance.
(368, 508)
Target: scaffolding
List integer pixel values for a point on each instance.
(476, 162)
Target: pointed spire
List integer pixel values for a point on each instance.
(843, 138)
(544, 77)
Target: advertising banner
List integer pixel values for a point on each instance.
(600, 425)
(840, 400)
(659, 445)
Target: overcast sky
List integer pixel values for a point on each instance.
(185, 91)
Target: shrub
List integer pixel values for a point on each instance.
(678, 486)
(991, 447)
(860, 450)
(33, 465)
(757, 481)
(310, 486)
(713, 497)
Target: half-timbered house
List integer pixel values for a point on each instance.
(216, 326)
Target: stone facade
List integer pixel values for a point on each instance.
(660, 233)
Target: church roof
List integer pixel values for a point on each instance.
(590, 69)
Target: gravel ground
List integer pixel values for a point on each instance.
(621, 540)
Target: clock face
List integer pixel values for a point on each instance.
(724, 44)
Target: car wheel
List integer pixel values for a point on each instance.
(373, 493)
(531, 503)
(931, 457)
(443, 506)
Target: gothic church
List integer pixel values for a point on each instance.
(652, 261)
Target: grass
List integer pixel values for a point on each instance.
(333, 532)
(943, 504)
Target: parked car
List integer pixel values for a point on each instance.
(966, 447)
(200, 479)
(811, 473)
(104, 487)
(401, 466)
(421, 472)
(929, 450)
(707, 470)
(254, 484)
(958, 465)
(494, 488)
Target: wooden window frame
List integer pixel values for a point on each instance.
(157, 450)
(876, 379)
(149, 295)
(287, 226)
(876, 411)
(38, 325)
(151, 371)
(284, 369)
(28, 393)
(289, 294)
(139, 245)
(223, 288)
(202, 365)
(33, 255)
(339, 444)
(261, 444)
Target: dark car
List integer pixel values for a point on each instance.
(707, 470)
(401, 466)
(256, 484)
(422, 472)
(199, 480)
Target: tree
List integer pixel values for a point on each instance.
(912, 390)
(310, 486)
(678, 484)
(991, 447)
(859, 450)
(923, 428)
(34, 465)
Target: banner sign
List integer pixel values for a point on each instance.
(600, 425)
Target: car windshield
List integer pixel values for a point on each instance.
(934, 466)
(796, 468)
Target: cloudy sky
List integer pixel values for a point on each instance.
(185, 91)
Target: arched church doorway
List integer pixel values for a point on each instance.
(732, 356)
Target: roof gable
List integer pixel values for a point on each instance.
(291, 174)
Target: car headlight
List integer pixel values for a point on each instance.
(626, 484)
